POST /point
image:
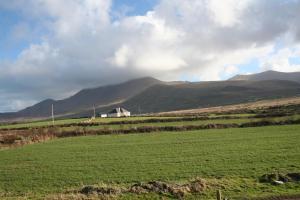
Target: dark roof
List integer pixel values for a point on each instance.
(118, 110)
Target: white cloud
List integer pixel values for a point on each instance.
(231, 69)
(159, 60)
(121, 57)
(280, 60)
(227, 13)
(84, 47)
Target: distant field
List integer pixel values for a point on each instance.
(237, 118)
(186, 123)
(236, 157)
(70, 121)
(139, 122)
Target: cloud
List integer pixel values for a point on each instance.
(83, 45)
(280, 60)
(230, 70)
(227, 13)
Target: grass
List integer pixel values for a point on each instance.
(240, 118)
(162, 124)
(40, 123)
(229, 154)
(70, 121)
(184, 123)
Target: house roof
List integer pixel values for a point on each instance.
(118, 110)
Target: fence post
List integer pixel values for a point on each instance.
(219, 195)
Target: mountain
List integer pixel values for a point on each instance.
(161, 98)
(149, 95)
(85, 99)
(170, 97)
(268, 75)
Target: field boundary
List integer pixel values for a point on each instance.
(23, 137)
(152, 120)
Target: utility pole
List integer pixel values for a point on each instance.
(52, 112)
(94, 112)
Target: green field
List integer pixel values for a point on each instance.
(71, 121)
(215, 119)
(235, 158)
(185, 123)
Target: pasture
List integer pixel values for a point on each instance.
(43, 123)
(232, 160)
(237, 154)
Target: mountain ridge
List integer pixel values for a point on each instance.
(148, 95)
(85, 99)
(268, 75)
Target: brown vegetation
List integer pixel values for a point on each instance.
(33, 135)
(245, 107)
(177, 191)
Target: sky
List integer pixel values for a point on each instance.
(54, 48)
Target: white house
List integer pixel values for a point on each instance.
(119, 112)
(103, 115)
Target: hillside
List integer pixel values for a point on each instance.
(149, 95)
(268, 75)
(166, 97)
(161, 98)
(86, 99)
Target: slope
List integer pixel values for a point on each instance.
(161, 98)
(269, 75)
(86, 99)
